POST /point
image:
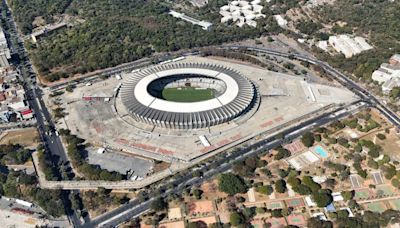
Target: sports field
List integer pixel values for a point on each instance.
(187, 94)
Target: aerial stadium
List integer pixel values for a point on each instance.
(187, 110)
(187, 95)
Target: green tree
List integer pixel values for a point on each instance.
(231, 184)
(158, 204)
(317, 223)
(276, 213)
(348, 195)
(381, 136)
(236, 219)
(308, 181)
(342, 214)
(322, 199)
(282, 153)
(395, 183)
(265, 189)
(280, 186)
(395, 92)
(260, 210)
(372, 164)
(308, 139)
(302, 189)
(197, 193)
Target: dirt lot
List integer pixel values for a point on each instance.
(27, 137)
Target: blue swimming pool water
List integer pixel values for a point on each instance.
(321, 152)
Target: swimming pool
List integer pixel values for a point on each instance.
(321, 152)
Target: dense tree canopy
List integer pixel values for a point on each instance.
(25, 11)
(280, 186)
(308, 139)
(14, 154)
(158, 204)
(322, 199)
(236, 219)
(231, 184)
(378, 19)
(121, 31)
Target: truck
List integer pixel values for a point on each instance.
(24, 203)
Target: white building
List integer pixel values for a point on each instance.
(347, 45)
(242, 13)
(5, 54)
(388, 74)
(323, 45)
(282, 22)
(205, 24)
(13, 102)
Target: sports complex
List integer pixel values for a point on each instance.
(187, 95)
(186, 111)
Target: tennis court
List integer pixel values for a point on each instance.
(355, 181)
(296, 220)
(276, 222)
(295, 147)
(378, 207)
(362, 194)
(384, 190)
(295, 202)
(377, 177)
(275, 205)
(395, 204)
(303, 160)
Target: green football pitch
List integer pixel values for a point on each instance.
(187, 94)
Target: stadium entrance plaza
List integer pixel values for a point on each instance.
(283, 99)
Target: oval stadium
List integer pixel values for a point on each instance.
(187, 95)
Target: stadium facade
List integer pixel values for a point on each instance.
(140, 94)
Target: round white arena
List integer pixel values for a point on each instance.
(187, 95)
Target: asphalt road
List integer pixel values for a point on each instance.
(34, 96)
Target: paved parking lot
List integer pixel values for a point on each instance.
(16, 215)
(114, 161)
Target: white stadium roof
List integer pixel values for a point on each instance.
(236, 97)
(144, 97)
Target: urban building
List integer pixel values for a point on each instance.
(13, 104)
(46, 29)
(242, 12)
(349, 46)
(282, 22)
(199, 3)
(388, 75)
(345, 44)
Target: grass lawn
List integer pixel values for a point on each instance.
(187, 94)
(26, 137)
